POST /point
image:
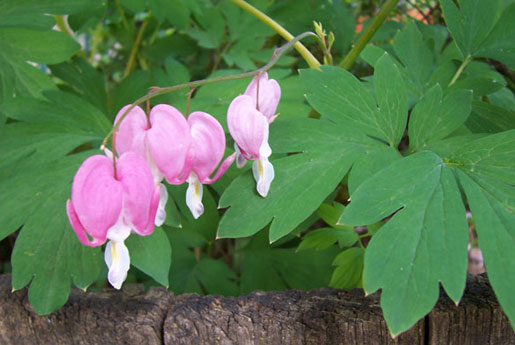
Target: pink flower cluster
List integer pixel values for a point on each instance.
(113, 198)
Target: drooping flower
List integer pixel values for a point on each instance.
(108, 207)
(178, 149)
(269, 95)
(207, 151)
(163, 139)
(248, 119)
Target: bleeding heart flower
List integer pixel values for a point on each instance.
(269, 95)
(177, 149)
(206, 153)
(248, 119)
(104, 206)
(163, 139)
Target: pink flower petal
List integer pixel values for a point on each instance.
(247, 126)
(169, 140)
(132, 131)
(96, 199)
(269, 94)
(208, 143)
(79, 229)
(138, 192)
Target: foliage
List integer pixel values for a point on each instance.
(375, 173)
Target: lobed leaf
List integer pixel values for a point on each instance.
(423, 243)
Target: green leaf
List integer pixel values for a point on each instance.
(47, 251)
(35, 45)
(348, 274)
(174, 73)
(175, 11)
(133, 87)
(391, 98)
(499, 44)
(328, 152)
(471, 23)
(339, 96)
(190, 274)
(205, 225)
(369, 163)
(324, 238)
(495, 225)
(414, 53)
(22, 79)
(331, 213)
(212, 28)
(503, 98)
(85, 80)
(423, 243)
(488, 118)
(435, 117)
(151, 254)
(480, 78)
(490, 157)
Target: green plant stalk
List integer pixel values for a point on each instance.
(158, 91)
(378, 20)
(460, 69)
(135, 48)
(122, 14)
(303, 51)
(61, 24)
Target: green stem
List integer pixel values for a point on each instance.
(122, 14)
(135, 48)
(460, 69)
(158, 91)
(303, 51)
(61, 24)
(378, 20)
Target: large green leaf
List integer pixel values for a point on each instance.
(328, 151)
(423, 243)
(47, 251)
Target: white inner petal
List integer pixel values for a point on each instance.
(118, 262)
(194, 196)
(263, 172)
(119, 231)
(161, 213)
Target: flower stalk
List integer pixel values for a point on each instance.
(303, 51)
(158, 91)
(378, 20)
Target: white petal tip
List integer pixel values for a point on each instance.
(197, 211)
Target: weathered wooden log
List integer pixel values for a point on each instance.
(322, 316)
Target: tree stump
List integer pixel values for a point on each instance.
(322, 316)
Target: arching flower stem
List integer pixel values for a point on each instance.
(158, 91)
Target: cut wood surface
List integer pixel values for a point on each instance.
(322, 316)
